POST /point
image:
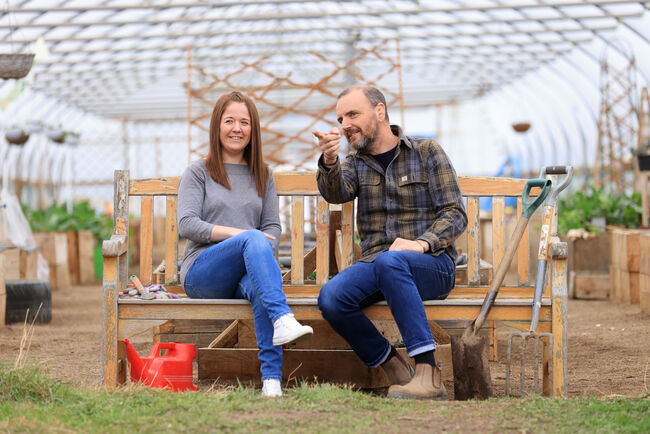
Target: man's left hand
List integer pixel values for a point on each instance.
(418, 246)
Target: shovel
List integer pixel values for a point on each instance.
(469, 351)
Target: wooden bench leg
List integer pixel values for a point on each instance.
(559, 311)
(113, 353)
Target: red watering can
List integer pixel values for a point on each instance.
(172, 370)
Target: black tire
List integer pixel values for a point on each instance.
(28, 294)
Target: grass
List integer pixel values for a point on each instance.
(31, 402)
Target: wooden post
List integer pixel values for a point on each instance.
(560, 301)
(115, 277)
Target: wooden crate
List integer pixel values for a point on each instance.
(644, 275)
(54, 248)
(589, 285)
(232, 364)
(11, 259)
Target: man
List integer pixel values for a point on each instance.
(409, 213)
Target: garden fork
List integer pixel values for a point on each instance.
(548, 230)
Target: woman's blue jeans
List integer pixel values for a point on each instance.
(243, 266)
(404, 279)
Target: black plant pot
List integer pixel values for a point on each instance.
(644, 162)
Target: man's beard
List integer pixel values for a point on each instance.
(367, 142)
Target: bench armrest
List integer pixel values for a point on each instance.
(116, 246)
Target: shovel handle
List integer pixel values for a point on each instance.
(530, 205)
(529, 208)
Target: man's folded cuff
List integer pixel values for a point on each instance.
(431, 239)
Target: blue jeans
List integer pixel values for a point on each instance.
(243, 266)
(404, 279)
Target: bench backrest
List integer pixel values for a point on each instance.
(333, 225)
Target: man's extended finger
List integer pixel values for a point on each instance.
(269, 236)
(319, 134)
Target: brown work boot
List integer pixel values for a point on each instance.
(398, 370)
(426, 384)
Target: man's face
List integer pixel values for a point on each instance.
(358, 120)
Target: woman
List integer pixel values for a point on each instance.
(228, 211)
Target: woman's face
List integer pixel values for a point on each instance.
(235, 132)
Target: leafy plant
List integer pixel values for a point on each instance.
(579, 209)
(57, 218)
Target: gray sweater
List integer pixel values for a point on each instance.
(203, 203)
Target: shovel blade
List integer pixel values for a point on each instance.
(472, 378)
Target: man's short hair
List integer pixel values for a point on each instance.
(374, 96)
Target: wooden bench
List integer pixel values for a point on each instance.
(334, 250)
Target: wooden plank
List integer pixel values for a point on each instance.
(644, 247)
(511, 310)
(332, 366)
(631, 250)
(347, 235)
(86, 257)
(296, 183)
(498, 230)
(146, 240)
(644, 292)
(297, 239)
(523, 250)
(73, 257)
(322, 242)
(28, 265)
(227, 338)
(171, 241)
(154, 186)
(304, 183)
(473, 241)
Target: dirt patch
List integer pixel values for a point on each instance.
(609, 344)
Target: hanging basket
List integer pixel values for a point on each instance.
(57, 136)
(15, 65)
(521, 127)
(16, 136)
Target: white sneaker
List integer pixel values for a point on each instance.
(271, 388)
(286, 329)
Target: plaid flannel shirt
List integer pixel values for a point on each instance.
(418, 196)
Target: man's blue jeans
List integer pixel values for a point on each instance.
(243, 266)
(404, 279)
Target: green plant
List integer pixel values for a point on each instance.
(578, 209)
(57, 218)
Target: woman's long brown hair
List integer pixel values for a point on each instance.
(252, 152)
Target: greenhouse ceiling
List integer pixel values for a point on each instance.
(129, 60)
